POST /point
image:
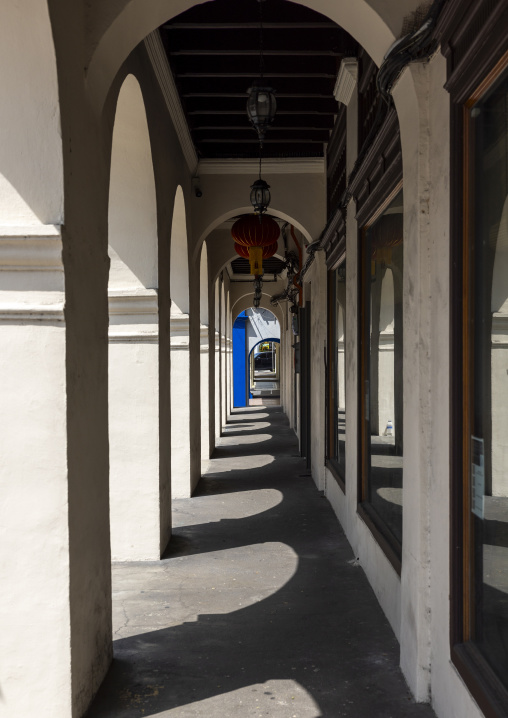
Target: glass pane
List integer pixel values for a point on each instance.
(340, 368)
(383, 306)
(489, 470)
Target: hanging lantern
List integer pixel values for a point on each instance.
(261, 109)
(252, 231)
(268, 250)
(255, 239)
(260, 196)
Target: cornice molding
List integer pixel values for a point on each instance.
(149, 336)
(179, 331)
(346, 80)
(159, 60)
(282, 165)
(39, 313)
(133, 302)
(31, 249)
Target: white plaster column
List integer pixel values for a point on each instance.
(180, 409)
(422, 154)
(136, 531)
(35, 618)
(229, 386)
(223, 373)
(318, 385)
(217, 384)
(205, 399)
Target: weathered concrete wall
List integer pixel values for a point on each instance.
(317, 279)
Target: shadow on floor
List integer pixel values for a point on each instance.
(255, 610)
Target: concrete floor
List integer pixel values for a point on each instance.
(258, 608)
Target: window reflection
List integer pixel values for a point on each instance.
(489, 351)
(383, 255)
(338, 370)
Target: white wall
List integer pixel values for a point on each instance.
(180, 357)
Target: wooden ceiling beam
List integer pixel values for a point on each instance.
(251, 26)
(228, 75)
(223, 126)
(190, 52)
(218, 95)
(254, 140)
(241, 111)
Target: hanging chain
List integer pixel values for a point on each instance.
(261, 47)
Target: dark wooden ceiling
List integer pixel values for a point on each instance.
(213, 51)
(274, 266)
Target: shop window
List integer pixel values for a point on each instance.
(337, 373)
(485, 385)
(382, 430)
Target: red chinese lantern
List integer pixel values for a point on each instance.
(256, 239)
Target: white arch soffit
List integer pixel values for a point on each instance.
(245, 302)
(248, 210)
(375, 24)
(132, 208)
(234, 256)
(179, 261)
(31, 152)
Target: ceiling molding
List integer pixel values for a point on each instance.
(160, 64)
(282, 165)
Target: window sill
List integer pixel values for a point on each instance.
(483, 684)
(334, 470)
(387, 542)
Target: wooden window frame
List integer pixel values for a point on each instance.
(387, 542)
(485, 686)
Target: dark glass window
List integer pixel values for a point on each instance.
(337, 373)
(486, 430)
(382, 368)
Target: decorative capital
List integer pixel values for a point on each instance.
(346, 80)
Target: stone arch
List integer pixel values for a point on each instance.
(373, 23)
(245, 301)
(248, 210)
(138, 529)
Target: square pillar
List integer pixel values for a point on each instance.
(180, 407)
(137, 533)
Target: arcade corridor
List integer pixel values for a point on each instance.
(259, 607)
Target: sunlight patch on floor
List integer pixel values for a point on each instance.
(286, 697)
(179, 590)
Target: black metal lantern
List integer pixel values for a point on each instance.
(260, 196)
(261, 109)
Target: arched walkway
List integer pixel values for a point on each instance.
(247, 556)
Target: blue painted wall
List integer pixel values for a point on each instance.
(240, 361)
